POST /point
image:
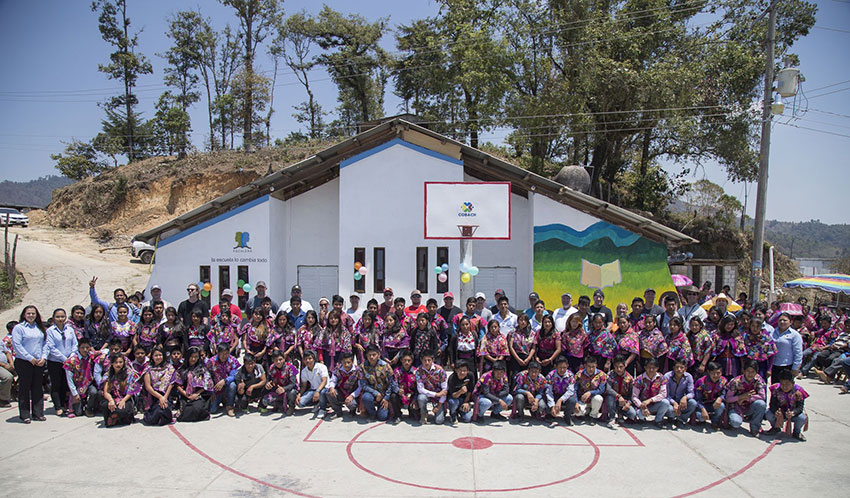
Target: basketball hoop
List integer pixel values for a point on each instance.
(467, 230)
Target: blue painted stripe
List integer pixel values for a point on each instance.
(619, 236)
(397, 141)
(221, 217)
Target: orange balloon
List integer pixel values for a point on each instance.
(357, 265)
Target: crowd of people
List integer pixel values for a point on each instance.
(689, 359)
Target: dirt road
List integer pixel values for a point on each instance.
(58, 265)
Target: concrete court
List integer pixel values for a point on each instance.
(269, 455)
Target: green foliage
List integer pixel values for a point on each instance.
(34, 192)
(811, 239)
(181, 73)
(219, 60)
(705, 198)
(80, 160)
(172, 126)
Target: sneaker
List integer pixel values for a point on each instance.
(230, 412)
(290, 410)
(89, 413)
(799, 437)
(772, 430)
(262, 409)
(321, 415)
(659, 425)
(755, 432)
(608, 423)
(423, 419)
(72, 415)
(498, 416)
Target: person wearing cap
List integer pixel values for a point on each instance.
(692, 307)
(598, 306)
(649, 302)
(296, 291)
(495, 308)
(387, 305)
(225, 302)
(354, 311)
(416, 305)
(156, 295)
(481, 307)
(257, 301)
(448, 310)
(532, 300)
(562, 314)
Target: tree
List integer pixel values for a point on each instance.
(79, 161)
(356, 62)
(108, 146)
(256, 19)
(184, 61)
(172, 125)
(219, 62)
(251, 85)
(125, 65)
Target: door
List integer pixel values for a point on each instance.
(491, 278)
(317, 282)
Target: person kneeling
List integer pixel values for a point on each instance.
(281, 385)
(431, 386)
(344, 386)
(223, 368)
(680, 393)
(787, 403)
(649, 393)
(590, 385)
(618, 392)
(122, 383)
(708, 392)
(561, 391)
(377, 384)
(250, 382)
(494, 391)
(314, 379)
(461, 386)
(530, 391)
(745, 395)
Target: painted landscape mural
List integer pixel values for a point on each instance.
(602, 256)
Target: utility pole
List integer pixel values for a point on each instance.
(764, 156)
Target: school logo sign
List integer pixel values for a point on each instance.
(466, 209)
(242, 239)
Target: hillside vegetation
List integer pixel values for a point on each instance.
(36, 192)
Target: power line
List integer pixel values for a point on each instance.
(815, 129)
(829, 86)
(830, 113)
(829, 93)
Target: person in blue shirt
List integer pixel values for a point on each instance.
(112, 309)
(60, 344)
(297, 316)
(28, 341)
(789, 347)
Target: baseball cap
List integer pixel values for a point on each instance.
(295, 288)
(499, 292)
(227, 292)
(261, 284)
(156, 287)
(480, 295)
(324, 299)
(534, 295)
(354, 294)
(415, 292)
(598, 292)
(650, 289)
(567, 294)
(448, 295)
(388, 290)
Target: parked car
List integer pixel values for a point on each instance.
(142, 251)
(15, 217)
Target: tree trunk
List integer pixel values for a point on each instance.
(127, 88)
(600, 156)
(248, 111)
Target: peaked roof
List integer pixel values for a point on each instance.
(324, 166)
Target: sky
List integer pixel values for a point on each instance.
(50, 88)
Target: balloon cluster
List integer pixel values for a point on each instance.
(467, 272)
(360, 271)
(242, 287)
(442, 272)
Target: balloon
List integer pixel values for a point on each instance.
(205, 293)
(357, 265)
(240, 283)
(207, 286)
(463, 268)
(358, 275)
(442, 277)
(240, 292)
(465, 278)
(473, 271)
(363, 270)
(247, 287)
(438, 269)
(445, 267)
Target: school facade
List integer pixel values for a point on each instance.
(361, 201)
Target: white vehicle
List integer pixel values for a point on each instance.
(142, 251)
(14, 216)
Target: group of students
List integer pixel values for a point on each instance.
(184, 365)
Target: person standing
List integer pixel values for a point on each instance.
(563, 313)
(387, 305)
(194, 302)
(257, 300)
(226, 303)
(692, 308)
(448, 310)
(354, 311)
(599, 306)
(789, 347)
(649, 302)
(112, 309)
(28, 342)
(61, 343)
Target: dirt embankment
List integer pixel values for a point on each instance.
(136, 197)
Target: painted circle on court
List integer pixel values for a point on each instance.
(472, 443)
(466, 440)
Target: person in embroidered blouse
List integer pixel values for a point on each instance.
(223, 330)
(549, 345)
(574, 342)
(492, 348)
(530, 391)
(709, 393)
(603, 344)
(344, 387)
(494, 391)
(124, 329)
(122, 384)
(759, 346)
(729, 350)
(194, 385)
(590, 387)
(281, 385)
(196, 332)
(787, 403)
(310, 329)
(147, 330)
(79, 373)
(746, 395)
(464, 343)
(618, 392)
(423, 338)
(678, 346)
(158, 382)
(561, 391)
(649, 393)
(432, 387)
(395, 339)
(404, 392)
(368, 333)
(376, 383)
(628, 343)
(223, 368)
(652, 343)
(522, 345)
(702, 345)
(171, 329)
(254, 333)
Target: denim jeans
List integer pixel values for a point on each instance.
(374, 409)
(306, 399)
(660, 409)
(422, 401)
(522, 402)
(614, 409)
(228, 393)
(845, 364)
(485, 404)
(798, 422)
(755, 415)
(714, 414)
(454, 410)
(688, 411)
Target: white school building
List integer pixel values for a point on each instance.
(361, 201)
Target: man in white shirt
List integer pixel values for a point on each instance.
(156, 295)
(314, 381)
(692, 308)
(481, 307)
(506, 319)
(295, 291)
(355, 312)
(562, 314)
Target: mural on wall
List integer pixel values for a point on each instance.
(602, 256)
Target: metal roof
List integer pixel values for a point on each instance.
(323, 166)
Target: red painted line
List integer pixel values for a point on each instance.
(360, 466)
(638, 441)
(231, 469)
(733, 475)
(314, 430)
(561, 444)
(7, 409)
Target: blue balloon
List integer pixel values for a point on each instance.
(473, 271)
(445, 267)
(463, 268)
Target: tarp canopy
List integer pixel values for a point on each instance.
(832, 282)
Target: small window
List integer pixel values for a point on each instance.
(379, 270)
(442, 259)
(205, 279)
(422, 269)
(223, 279)
(242, 274)
(359, 257)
